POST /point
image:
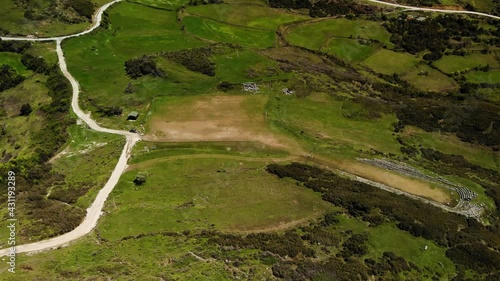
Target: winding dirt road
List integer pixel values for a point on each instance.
(433, 10)
(95, 210)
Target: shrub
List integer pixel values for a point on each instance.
(139, 67)
(25, 109)
(9, 78)
(37, 64)
(83, 7)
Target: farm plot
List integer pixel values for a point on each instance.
(389, 62)
(215, 31)
(314, 35)
(245, 14)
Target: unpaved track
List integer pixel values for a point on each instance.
(94, 211)
(434, 10)
(96, 22)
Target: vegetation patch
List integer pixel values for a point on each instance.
(389, 62)
(353, 50)
(453, 64)
(215, 31)
(199, 60)
(136, 30)
(145, 65)
(191, 194)
(314, 35)
(246, 14)
(428, 79)
(490, 77)
(45, 17)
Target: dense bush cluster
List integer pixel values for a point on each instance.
(25, 110)
(70, 11)
(37, 64)
(433, 34)
(197, 60)
(291, 4)
(421, 2)
(390, 262)
(292, 255)
(145, 65)
(83, 7)
(110, 111)
(14, 46)
(471, 120)
(9, 78)
(288, 245)
(413, 216)
(325, 8)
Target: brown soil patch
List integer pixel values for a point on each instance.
(214, 118)
(367, 171)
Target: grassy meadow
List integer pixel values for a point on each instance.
(206, 144)
(389, 62)
(135, 31)
(451, 64)
(492, 76)
(426, 78)
(247, 14)
(214, 31)
(205, 193)
(316, 35)
(353, 50)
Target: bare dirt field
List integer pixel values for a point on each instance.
(214, 118)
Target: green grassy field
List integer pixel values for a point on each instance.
(246, 14)
(144, 151)
(215, 31)
(14, 60)
(451, 145)
(97, 61)
(162, 4)
(202, 181)
(204, 193)
(389, 62)
(349, 49)
(388, 238)
(490, 77)
(247, 65)
(426, 78)
(321, 117)
(314, 35)
(17, 141)
(451, 64)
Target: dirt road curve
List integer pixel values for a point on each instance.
(433, 10)
(96, 22)
(94, 211)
